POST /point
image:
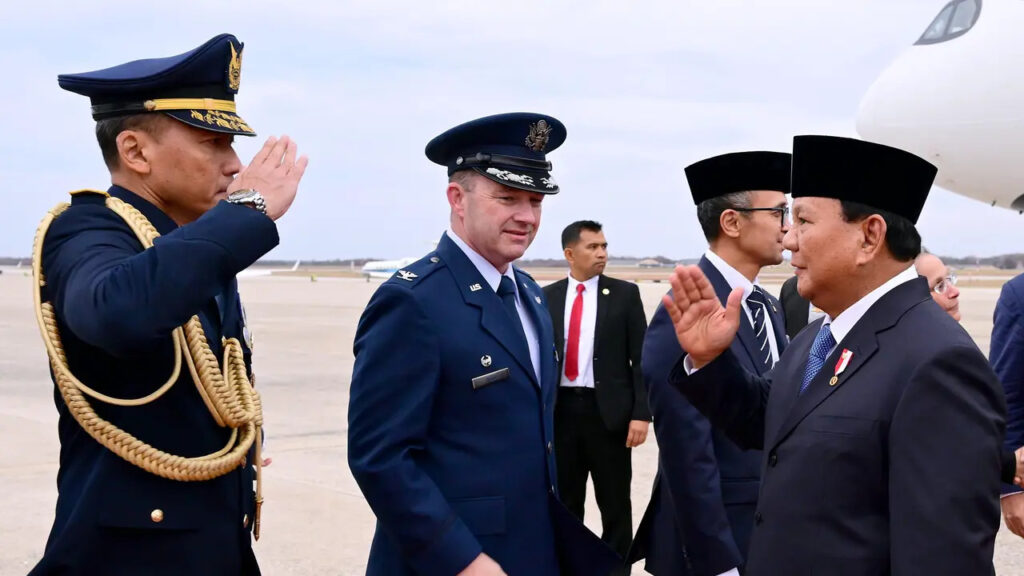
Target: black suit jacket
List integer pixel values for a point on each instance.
(891, 470)
(618, 341)
(796, 308)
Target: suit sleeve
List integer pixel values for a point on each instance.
(120, 299)
(687, 457)
(388, 420)
(635, 334)
(945, 440)
(732, 398)
(1006, 353)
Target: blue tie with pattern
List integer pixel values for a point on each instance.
(759, 310)
(823, 343)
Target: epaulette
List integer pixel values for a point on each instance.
(88, 196)
(418, 270)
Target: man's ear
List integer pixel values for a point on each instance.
(134, 151)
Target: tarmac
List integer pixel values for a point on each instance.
(315, 520)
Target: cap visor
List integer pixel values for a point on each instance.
(213, 120)
(530, 181)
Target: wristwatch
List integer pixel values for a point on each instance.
(249, 197)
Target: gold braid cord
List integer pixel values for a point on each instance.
(228, 395)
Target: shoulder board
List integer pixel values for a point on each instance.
(418, 270)
(88, 196)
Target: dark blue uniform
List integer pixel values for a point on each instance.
(451, 416)
(1006, 353)
(116, 306)
(702, 505)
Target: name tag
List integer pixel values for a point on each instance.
(490, 378)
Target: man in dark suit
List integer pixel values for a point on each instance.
(124, 276)
(601, 412)
(882, 423)
(1006, 352)
(701, 511)
(451, 410)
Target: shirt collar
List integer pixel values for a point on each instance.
(846, 320)
(732, 277)
(486, 269)
(591, 284)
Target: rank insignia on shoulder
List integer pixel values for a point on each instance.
(406, 275)
(475, 287)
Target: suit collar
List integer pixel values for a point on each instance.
(493, 317)
(861, 341)
(844, 323)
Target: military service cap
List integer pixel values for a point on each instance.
(854, 170)
(506, 148)
(738, 172)
(197, 87)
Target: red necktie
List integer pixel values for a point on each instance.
(572, 351)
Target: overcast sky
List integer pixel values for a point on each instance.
(644, 88)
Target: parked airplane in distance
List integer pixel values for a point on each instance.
(385, 268)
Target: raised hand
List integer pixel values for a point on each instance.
(274, 173)
(704, 328)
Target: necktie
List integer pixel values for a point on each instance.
(823, 343)
(507, 291)
(759, 311)
(572, 349)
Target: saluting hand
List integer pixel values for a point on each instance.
(274, 173)
(703, 327)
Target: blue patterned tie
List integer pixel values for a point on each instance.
(759, 310)
(823, 343)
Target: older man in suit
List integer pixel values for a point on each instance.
(701, 511)
(451, 410)
(601, 413)
(882, 423)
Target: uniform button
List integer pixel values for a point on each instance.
(758, 518)
(245, 521)
(157, 515)
(773, 458)
(549, 447)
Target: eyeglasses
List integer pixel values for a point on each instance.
(943, 286)
(783, 212)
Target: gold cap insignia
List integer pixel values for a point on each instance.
(235, 68)
(538, 137)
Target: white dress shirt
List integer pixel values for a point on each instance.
(588, 321)
(737, 280)
(493, 279)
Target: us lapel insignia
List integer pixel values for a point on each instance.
(485, 361)
(606, 291)
(844, 360)
(474, 288)
(537, 298)
(406, 275)
(434, 259)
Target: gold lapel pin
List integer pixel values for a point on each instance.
(833, 381)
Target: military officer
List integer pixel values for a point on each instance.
(158, 422)
(452, 402)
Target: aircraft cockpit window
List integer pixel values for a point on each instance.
(954, 20)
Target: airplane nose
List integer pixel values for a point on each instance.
(889, 106)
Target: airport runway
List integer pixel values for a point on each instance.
(315, 520)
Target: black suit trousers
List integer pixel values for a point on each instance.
(584, 446)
